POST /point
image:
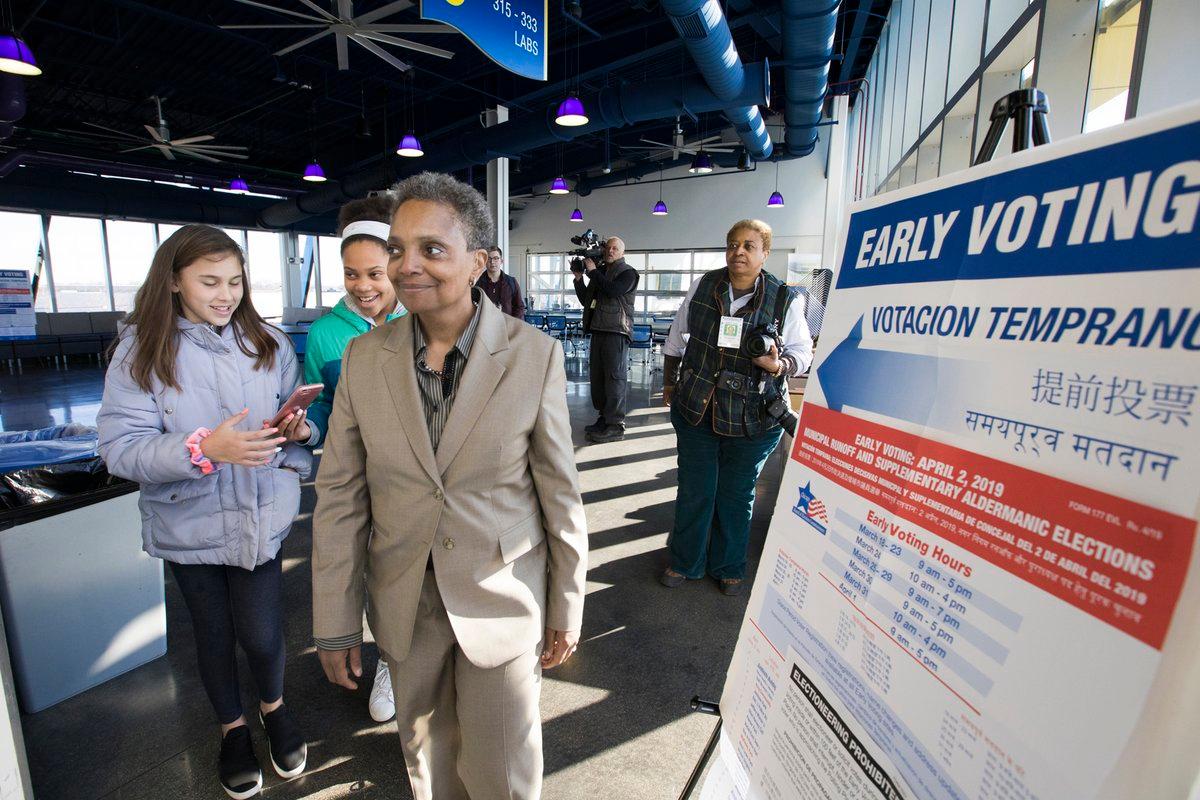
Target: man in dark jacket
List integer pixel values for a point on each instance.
(607, 299)
(503, 290)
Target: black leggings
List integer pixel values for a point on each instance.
(231, 604)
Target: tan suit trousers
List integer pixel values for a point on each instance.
(467, 733)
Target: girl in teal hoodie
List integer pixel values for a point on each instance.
(370, 300)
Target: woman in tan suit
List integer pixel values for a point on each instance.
(448, 484)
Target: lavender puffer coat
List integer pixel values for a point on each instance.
(236, 516)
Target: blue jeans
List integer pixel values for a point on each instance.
(715, 498)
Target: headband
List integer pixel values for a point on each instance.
(368, 227)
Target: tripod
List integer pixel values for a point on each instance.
(1027, 108)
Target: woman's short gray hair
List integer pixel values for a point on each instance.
(467, 204)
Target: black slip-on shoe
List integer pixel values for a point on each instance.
(596, 427)
(241, 777)
(611, 433)
(289, 753)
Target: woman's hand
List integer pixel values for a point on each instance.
(295, 428)
(769, 361)
(245, 448)
(558, 646)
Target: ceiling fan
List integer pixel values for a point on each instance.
(160, 139)
(364, 30)
(678, 145)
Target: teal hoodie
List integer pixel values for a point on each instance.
(327, 340)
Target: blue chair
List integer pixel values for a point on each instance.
(536, 320)
(300, 343)
(556, 326)
(642, 338)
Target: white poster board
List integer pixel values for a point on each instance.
(980, 580)
(17, 317)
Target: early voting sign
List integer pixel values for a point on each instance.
(17, 317)
(510, 32)
(980, 581)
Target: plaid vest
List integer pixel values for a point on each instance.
(733, 414)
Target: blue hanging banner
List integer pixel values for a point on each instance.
(510, 32)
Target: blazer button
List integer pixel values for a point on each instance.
(448, 543)
(437, 495)
(168, 410)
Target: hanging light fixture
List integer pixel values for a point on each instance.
(364, 127)
(701, 164)
(313, 173)
(560, 186)
(238, 185)
(576, 215)
(410, 146)
(571, 113)
(660, 208)
(744, 160)
(776, 199)
(16, 57)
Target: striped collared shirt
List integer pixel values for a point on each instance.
(438, 390)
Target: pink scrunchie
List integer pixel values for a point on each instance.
(198, 458)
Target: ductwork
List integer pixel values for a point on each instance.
(611, 107)
(705, 31)
(12, 102)
(808, 30)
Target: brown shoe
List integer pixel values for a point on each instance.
(732, 587)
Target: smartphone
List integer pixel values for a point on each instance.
(301, 398)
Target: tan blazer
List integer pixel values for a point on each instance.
(498, 506)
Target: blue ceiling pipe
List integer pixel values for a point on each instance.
(705, 31)
(610, 107)
(808, 30)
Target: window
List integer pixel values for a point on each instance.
(264, 262)
(333, 281)
(130, 251)
(1112, 63)
(21, 235)
(665, 279)
(80, 280)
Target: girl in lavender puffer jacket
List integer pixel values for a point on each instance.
(216, 504)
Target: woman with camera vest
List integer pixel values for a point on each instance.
(735, 340)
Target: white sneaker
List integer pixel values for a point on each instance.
(382, 704)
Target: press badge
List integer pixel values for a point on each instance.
(730, 334)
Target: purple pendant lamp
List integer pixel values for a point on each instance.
(701, 164)
(571, 113)
(313, 173)
(410, 146)
(238, 185)
(577, 216)
(16, 57)
(776, 199)
(660, 208)
(560, 186)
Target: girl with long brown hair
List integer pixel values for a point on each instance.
(194, 369)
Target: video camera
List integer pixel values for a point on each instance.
(588, 245)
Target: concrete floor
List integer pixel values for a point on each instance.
(616, 718)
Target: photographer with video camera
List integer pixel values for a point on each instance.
(605, 286)
(738, 336)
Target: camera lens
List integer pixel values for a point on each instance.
(758, 346)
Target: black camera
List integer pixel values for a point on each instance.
(588, 245)
(758, 341)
